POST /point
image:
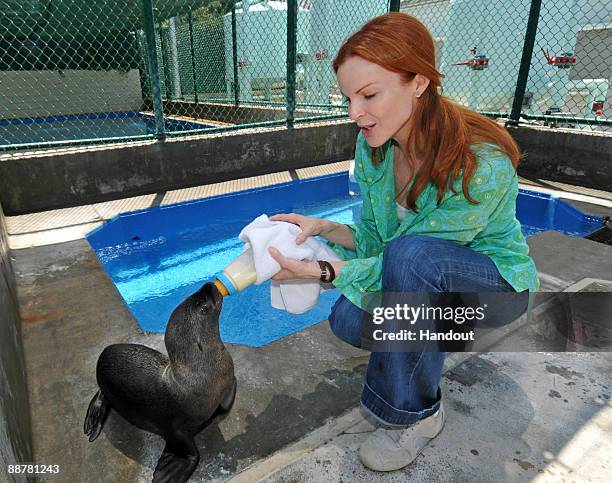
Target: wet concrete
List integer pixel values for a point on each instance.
(509, 412)
(536, 416)
(511, 417)
(71, 311)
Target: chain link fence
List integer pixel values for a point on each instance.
(77, 72)
(571, 68)
(544, 62)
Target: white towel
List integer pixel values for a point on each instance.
(294, 296)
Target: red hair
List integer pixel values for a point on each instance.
(442, 131)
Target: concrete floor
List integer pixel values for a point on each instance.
(71, 311)
(511, 416)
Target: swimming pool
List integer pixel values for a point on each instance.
(86, 126)
(159, 256)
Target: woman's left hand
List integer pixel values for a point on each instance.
(292, 269)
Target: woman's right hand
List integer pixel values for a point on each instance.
(310, 226)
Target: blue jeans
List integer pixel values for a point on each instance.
(403, 387)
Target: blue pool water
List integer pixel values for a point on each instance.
(86, 126)
(159, 256)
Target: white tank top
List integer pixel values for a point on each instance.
(401, 211)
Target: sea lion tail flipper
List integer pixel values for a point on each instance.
(96, 416)
(177, 462)
(228, 399)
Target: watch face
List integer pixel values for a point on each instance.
(324, 273)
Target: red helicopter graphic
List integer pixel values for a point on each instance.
(563, 61)
(477, 62)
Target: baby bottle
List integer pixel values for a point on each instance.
(238, 275)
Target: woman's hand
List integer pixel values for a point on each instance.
(310, 226)
(330, 230)
(292, 269)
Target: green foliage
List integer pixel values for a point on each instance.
(215, 9)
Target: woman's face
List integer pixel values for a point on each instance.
(380, 101)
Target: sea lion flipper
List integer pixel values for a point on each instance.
(96, 416)
(177, 462)
(228, 399)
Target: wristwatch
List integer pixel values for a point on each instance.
(327, 271)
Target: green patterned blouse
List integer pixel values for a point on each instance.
(489, 227)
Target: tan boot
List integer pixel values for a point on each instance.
(392, 449)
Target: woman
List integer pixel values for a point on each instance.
(439, 189)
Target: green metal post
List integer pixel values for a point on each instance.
(193, 64)
(394, 5)
(235, 56)
(158, 106)
(523, 74)
(164, 55)
(291, 59)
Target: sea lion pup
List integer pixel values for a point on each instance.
(174, 396)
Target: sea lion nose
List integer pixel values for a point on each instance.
(209, 290)
(206, 288)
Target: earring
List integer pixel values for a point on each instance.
(418, 95)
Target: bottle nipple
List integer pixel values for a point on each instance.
(222, 290)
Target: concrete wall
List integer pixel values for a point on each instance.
(15, 439)
(78, 177)
(55, 179)
(48, 93)
(576, 157)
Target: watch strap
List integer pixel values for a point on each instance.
(328, 273)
